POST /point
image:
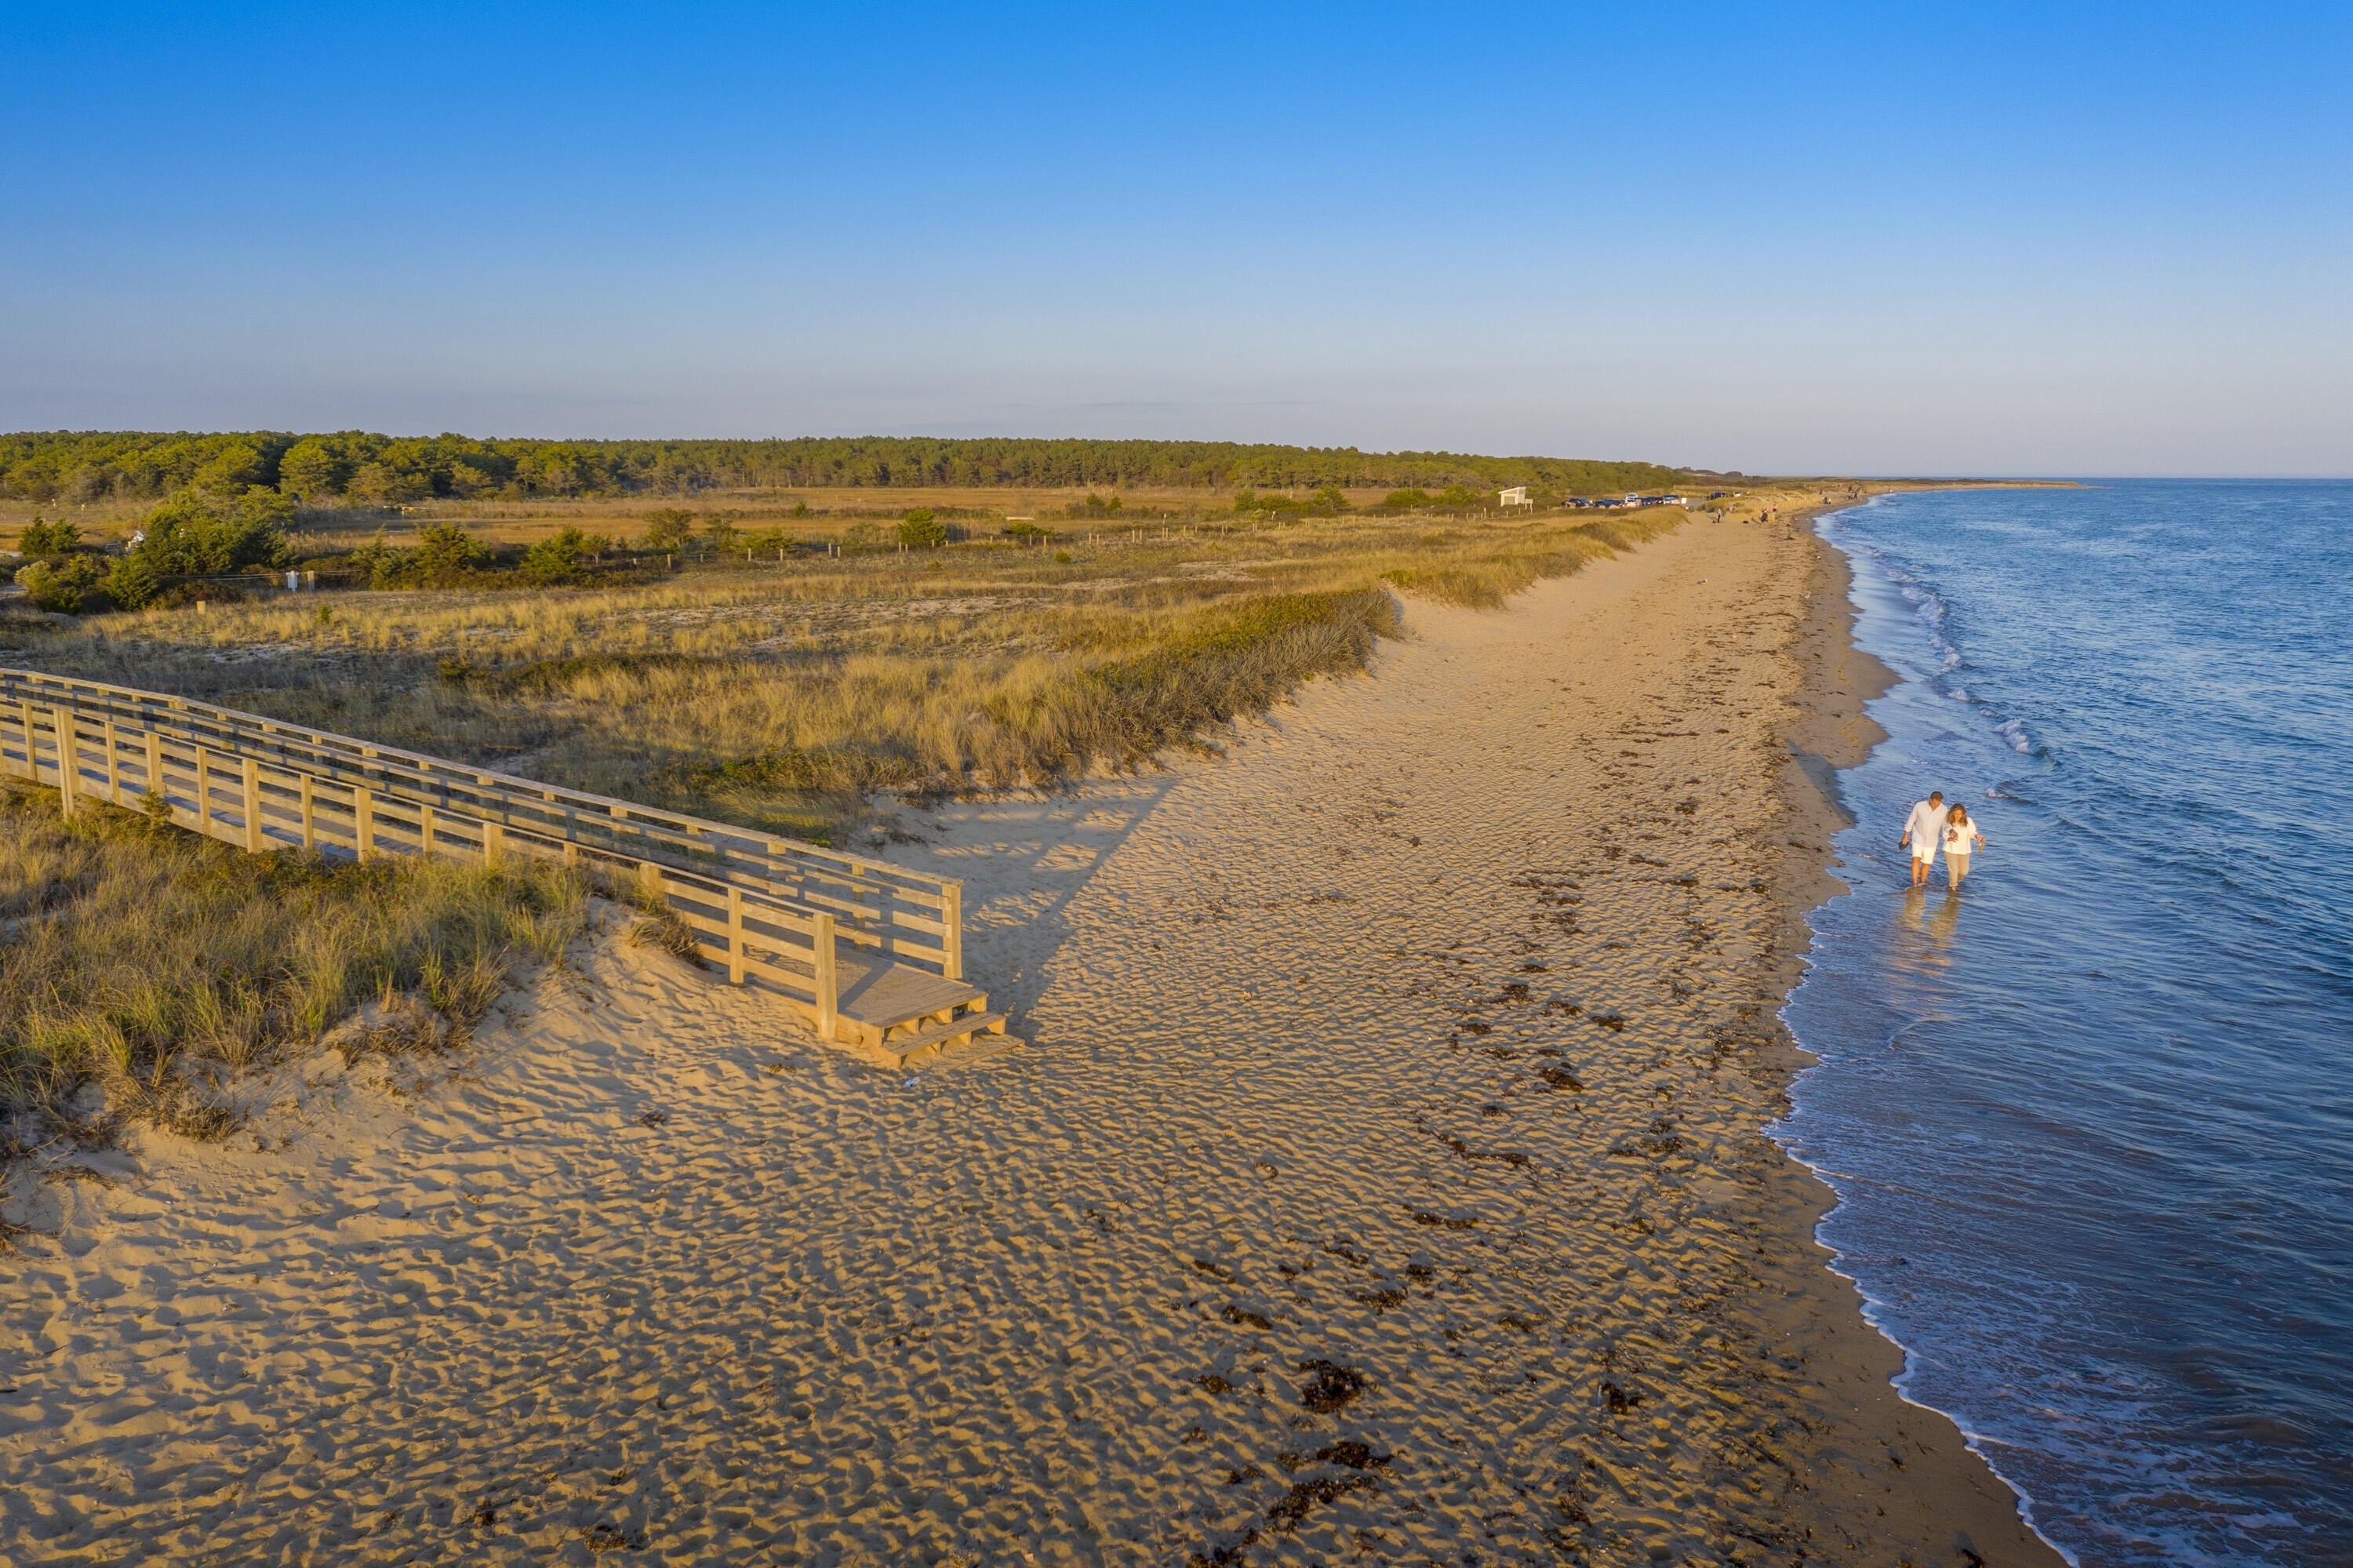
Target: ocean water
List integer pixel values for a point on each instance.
(2089, 1121)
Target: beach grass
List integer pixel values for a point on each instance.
(784, 694)
(156, 964)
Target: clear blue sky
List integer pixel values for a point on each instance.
(2030, 238)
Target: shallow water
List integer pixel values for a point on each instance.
(2088, 1120)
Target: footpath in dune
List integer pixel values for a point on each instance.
(1382, 1182)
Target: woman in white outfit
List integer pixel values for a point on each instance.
(1961, 841)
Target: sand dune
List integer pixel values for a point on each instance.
(1382, 1180)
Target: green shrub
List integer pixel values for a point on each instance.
(68, 585)
(922, 530)
(1405, 500)
(40, 539)
(445, 553)
(191, 537)
(560, 557)
(668, 528)
(132, 584)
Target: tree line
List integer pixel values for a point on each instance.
(356, 467)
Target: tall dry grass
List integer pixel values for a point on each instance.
(781, 695)
(154, 964)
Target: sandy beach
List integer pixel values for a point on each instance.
(1383, 1180)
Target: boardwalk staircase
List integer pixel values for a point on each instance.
(870, 954)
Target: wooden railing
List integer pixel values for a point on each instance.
(770, 909)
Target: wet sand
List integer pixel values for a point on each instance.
(1384, 1181)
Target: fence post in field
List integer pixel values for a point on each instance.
(828, 988)
(253, 839)
(735, 935)
(952, 912)
(61, 730)
(155, 768)
(363, 822)
(309, 815)
(113, 769)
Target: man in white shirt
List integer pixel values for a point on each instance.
(1924, 830)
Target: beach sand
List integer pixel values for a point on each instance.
(1383, 1180)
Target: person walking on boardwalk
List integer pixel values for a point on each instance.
(1961, 841)
(1924, 830)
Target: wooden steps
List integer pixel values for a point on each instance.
(968, 1037)
(904, 1017)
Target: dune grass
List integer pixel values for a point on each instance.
(781, 695)
(156, 964)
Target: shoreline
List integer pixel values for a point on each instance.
(1935, 1496)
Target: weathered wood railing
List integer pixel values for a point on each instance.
(769, 909)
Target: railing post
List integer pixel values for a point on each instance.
(113, 769)
(253, 839)
(310, 814)
(828, 988)
(494, 844)
(203, 792)
(649, 877)
(61, 726)
(363, 823)
(155, 791)
(424, 831)
(735, 935)
(25, 718)
(952, 913)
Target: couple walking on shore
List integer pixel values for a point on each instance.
(1932, 826)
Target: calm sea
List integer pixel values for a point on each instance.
(2089, 1121)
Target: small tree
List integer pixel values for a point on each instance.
(1405, 500)
(130, 584)
(189, 537)
(668, 528)
(65, 585)
(558, 558)
(41, 539)
(468, 480)
(921, 529)
(310, 470)
(445, 552)
(231, 470)
(720, 533)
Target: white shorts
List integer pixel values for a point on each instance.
(1923, 856)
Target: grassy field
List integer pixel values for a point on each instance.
(781, 695)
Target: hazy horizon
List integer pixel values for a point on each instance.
(2046, 244)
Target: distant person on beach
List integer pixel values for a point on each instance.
(1961, 840)
(1924, 830)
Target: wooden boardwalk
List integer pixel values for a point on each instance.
(870, 953)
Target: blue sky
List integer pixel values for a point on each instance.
(2047, 239)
